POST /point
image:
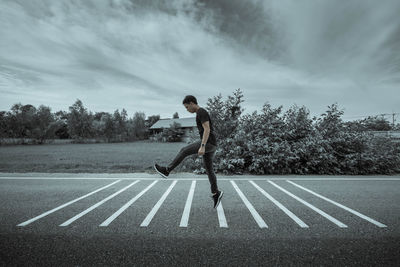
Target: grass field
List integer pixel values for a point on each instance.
(110, 158)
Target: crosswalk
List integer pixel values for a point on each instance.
(189, 200)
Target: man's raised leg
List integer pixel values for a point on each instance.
(183, 153)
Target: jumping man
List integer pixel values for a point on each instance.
(206, 147)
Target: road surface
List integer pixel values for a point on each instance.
(103, 220)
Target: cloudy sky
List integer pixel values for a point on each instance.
(147, 55)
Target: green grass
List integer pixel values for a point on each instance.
(110, 158)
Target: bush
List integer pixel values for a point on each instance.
(270, 142)
(174, 133)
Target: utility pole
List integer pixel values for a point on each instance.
(393, 114)
(393, 120)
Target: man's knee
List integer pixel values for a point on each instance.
(186, 150)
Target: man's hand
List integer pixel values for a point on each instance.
(202, 150)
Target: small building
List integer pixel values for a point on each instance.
(188, 125)
(394, 135)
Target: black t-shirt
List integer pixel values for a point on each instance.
(201, 117)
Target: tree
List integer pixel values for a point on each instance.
(225, 115)
(151, 120)
(109, 129)
(45, 124)
(120, 123)
(98, 115)
(3, 124)
(376, 124)
(79, 121)
(298, 125)
(371, 123)
(174, 133)
(138, 124)
(331, 124)
(61, 117)
(22, 120)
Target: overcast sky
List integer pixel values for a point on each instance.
(147, 55)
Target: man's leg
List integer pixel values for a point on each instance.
(208, 163)
(183, 153)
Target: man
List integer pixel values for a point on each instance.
(206, 147)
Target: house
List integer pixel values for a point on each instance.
(394, 135)
(188, 125)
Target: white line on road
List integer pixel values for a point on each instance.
(124, 207)
(288, 212)
(255, 214)
(186, 211)
(64, 205)
(221, 216)
(150, 216)
(68, 222)
(203, 179)
(340, 205)
(329, 217)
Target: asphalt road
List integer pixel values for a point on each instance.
(85, 221)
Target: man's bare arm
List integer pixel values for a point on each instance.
(206, 134)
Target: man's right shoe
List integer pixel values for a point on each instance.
(163, 171)
(217, 198)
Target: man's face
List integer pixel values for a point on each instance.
(190, 107)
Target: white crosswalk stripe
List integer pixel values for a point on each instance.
(329, 217)
(288, 212)
(340, 205)
(153, 212)
(186, 211)
(66, 204)
(252, 210)
(124, 207)
(68, 222)
(221, 216)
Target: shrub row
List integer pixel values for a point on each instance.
(273, 142)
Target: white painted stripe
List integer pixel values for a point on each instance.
(186, 211)
(201, 179)
(221, 216)
(66, 204)
(253, 211)
(124, 207)
(68, 222)
(150, 216)
(342, 206)
(329, 217)
(276, 202)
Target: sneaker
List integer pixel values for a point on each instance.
(217, 198)
(163, 171)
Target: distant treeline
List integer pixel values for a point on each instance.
(40, 124)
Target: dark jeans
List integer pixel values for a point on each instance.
(207, 160)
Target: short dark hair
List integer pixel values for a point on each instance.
(188, 99)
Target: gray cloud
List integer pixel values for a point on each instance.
(146, 55)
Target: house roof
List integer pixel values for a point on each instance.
(165, 123)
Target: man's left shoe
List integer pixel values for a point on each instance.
(217, 198)
(163, 171)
